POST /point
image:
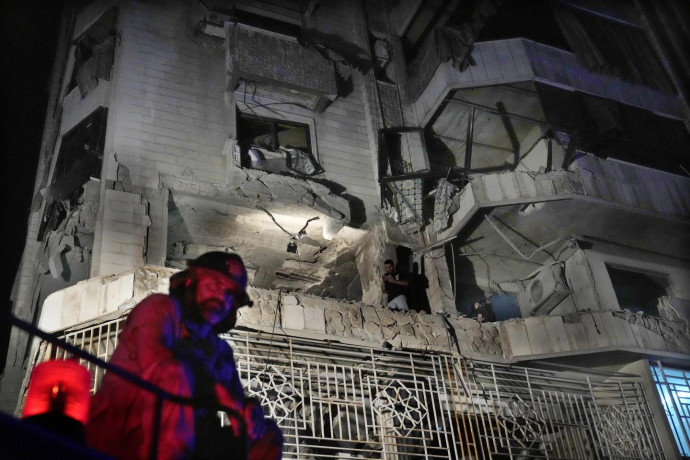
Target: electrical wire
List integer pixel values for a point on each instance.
(270, 342)
(515, 248)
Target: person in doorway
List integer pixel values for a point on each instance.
(416, 290)
(171, 341)
(395, 285)
(482, 311)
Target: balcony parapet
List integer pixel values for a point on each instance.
(110, 297)
(75, 108)
(610, 182)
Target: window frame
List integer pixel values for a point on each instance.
(654, 276)
(293, 119)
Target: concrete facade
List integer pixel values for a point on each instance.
(174, 183)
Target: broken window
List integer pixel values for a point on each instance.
(608, 128)
(80, 157)
(530, 19)
(94, 53)
(638, 291)
(276, 145)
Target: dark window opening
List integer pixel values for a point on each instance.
(276, 146)
(608, 37)
(94, 54)
(638, 291)
(530, 19)
(283, 17)
(267, 23)
(428, 16)
(608, 128)
(80, 158)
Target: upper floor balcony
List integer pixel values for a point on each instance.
(519, 60)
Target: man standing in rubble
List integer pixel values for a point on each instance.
(394, 284)
(171, 341)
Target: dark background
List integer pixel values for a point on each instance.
(28, 37)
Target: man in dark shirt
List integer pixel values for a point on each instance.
(171, 341)
(482, 311)
(394, 284)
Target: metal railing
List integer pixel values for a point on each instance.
(673, 386)
(335, 401)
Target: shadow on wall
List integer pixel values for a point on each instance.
(463, 276)
(358, 215)
(505, 306)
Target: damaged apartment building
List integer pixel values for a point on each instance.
(533, 155)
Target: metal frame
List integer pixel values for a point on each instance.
(340, 401)
(673, 388)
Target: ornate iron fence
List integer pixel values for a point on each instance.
(339, 401)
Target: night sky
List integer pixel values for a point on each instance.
(28, 34)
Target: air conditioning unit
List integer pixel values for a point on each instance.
(547, 289)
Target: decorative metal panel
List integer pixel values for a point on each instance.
(338, 401)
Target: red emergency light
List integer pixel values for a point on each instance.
(59, 387)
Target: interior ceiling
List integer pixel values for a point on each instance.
(510, 134)
(518, 98)
(549, 221)
(262, 244)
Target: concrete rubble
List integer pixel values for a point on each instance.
(73, 234)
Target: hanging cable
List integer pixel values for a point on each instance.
(299, 234)
(507, 240)
(270, 341)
